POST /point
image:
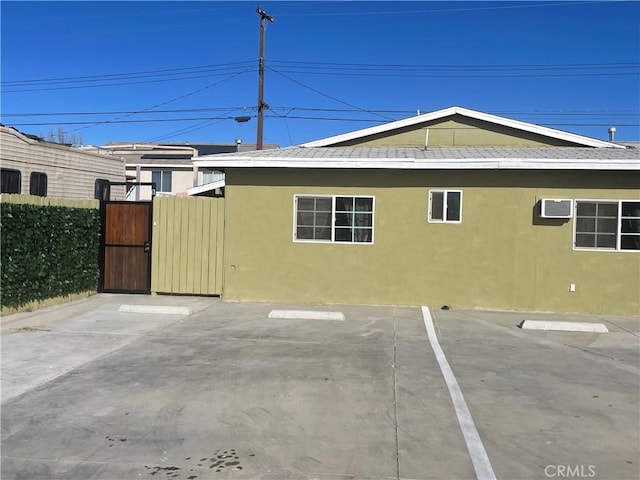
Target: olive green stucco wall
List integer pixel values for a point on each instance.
(456, 131)
(502, 256)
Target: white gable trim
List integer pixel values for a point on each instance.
(183, 166)
(438, 114)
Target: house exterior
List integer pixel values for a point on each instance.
(170, 167)
(33, 166)
(454, 207)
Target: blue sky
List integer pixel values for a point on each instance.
(182, 71)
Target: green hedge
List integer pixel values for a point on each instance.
(47, 252)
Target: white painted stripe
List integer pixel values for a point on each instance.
(564, 326)
(307, 315)
(479, 457)
(162, 309)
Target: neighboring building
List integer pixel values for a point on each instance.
(169, 166)
(33, 166)
(454, 207)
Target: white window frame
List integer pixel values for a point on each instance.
(618, 227)
(161, 187)
(445, 200)
(333, 218)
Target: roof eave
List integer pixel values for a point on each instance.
(186, 166)
(440, 164)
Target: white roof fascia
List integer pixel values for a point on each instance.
(207, 187)
(159, 165)
(442, 164)
(427, 117)
(139, 147)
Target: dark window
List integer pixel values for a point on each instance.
(445, 206)
(630, 226)
(102, 189)
(313, 216)
(11, 180)
(38, 184)
(613, 225)
(334, 219)
(162, 179)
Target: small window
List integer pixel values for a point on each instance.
(162, 179)
(445, 206)
(38, 184)
(344, 219)
(102, 190)
(630, 225)
(11, 180)
(607, 225)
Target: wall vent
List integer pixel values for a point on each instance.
(556, 208)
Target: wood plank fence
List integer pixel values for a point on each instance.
(187, 245)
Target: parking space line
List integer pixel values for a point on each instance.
(307, 315)
(477, 452)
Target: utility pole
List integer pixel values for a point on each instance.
(263, 18)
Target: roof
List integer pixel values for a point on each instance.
(200, 148)
(35, 140)
(171, 155)
(552, 158)
(217, 148)
(447, 112)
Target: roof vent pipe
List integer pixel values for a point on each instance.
(612, 134)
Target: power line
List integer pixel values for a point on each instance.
(333, 68)
(605, 112)
(167, 71)
(481, 67)
(149, 120)
(293, 117)
(465, 75)
(288, 117)
(327, 95)
(627, 112)
(175, 99)
(461, 71)
(469, 9)
(177, 110)
(190, 129)
(125, 83)
(289, 110)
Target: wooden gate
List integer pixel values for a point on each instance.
(126, 247)
(188, 245)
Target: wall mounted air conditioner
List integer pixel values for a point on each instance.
(556, 208)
